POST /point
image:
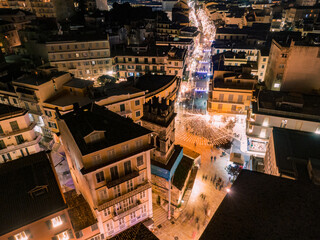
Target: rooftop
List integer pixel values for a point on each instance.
(65, 98)
(181, 173)
(261, 206)
(152, 51)
(172, 160)
(79, 211)
(288, 105)
(291, 145)
(87, 119)
(29, 192)
(152, 83)
(38, 79)
(137, 232)
(10, 111)
(78, 83)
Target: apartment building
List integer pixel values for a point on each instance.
(109, 160)
(293, 66)
(293, 154)
(280, 109)
(263, 58)
(83, 56)
(123, 99)
(137, 61)
(231, 92)
(35, 88)
(75, 90)
(176, 62)
(18, 135)
(33, 206)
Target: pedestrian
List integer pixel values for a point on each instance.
(215, 158)
(211, 158)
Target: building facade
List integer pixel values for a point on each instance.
(109, 160)
(18, 137)
(83, 58)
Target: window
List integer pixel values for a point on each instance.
(79, 234)
(94, 137)
(146, 60)
(114, 173)
(14, 101)
(233, 107)
(109, 226)
(144, 209)
(100, 177)
(48, 113)
(116, 191)
(2, 144)
(219, 106)
(176, 64)
(248, 97)
(283, 123)
(240, 98)
(132, 215)
(142, 179)
(121, 222)
(52, 125)
(19, 139)
(138, 113)
(127, 167)
(139, 161)
(230, 98)
(122, 108)
(94, 227)
(264, 59)
(137, 102)
(125, 148)
(139, 143)
(111, 154)
(142, 194)
(57, 221)
(284, 55)
(66, 235)
(77, 55)
(76, 46)
(14, 126)
(262, 66)
(96, 159)
(153, 60)
(221, 97)
(129, 185)
(106, 212)
(154, 68)
(21, 236)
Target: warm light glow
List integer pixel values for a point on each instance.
(21, 236)
(56, 221)
(228, 190)
(63, 236)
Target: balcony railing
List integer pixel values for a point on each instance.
(25, 144)
(124, 196)
(133, 208)
(30, 127)
(133, 174)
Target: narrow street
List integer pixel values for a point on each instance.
(191, 123)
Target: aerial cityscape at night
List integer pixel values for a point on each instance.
(159, 119)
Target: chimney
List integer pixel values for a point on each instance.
(76, 107)
(58, 113)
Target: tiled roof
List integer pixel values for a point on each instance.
(137, 232)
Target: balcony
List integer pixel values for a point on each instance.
(132, 208)
(136, 191)
(122, 179)
(25, 144)
(124, 113)
(7, 133)
(226, 101)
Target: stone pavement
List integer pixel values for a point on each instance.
(191, 227)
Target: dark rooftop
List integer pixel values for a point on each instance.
(152, 82)
(92, 117)
(79, 211)
(291, 145)
(78, 83)
(181, 174)
(137, 232)
(172, 160)
(9, 111)
(29, 192)
(261, 206)
(39, 78)
(156, 51)
(288, 105)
